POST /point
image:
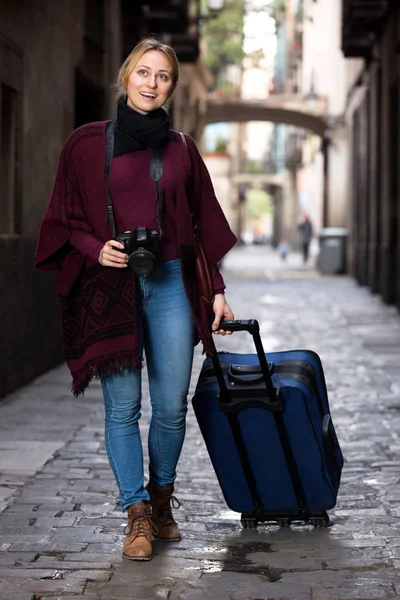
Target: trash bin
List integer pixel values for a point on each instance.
(332, 250)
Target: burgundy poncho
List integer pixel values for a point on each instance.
(98, 304)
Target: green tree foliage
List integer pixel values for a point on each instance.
(220, 144)
(223, 35)
(258, 204)
(224, 39)
(254, 166)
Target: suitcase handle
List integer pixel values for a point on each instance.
(244, 378)
(273, 399)
(250, 325)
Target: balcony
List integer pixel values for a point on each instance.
(166, 15)
(173, 22)
(362, 21)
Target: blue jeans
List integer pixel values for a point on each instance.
(167, 337)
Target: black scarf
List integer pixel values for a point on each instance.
(135, 131)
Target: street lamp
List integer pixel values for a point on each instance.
(312, 97)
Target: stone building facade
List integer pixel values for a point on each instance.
(370, 42)
(57, 63)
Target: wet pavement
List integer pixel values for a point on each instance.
(61, 529)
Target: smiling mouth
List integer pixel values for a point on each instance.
(148, 96)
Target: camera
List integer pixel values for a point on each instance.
(141, 246)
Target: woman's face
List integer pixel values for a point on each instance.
(150, 84)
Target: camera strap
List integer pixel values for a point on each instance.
(156, 172)
(107, 171)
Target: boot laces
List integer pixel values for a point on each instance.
(140, 522)
(169, 503)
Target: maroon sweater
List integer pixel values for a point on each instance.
(133, 196)
(99, 304)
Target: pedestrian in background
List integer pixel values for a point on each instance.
(283, 249)
(111, 313)
(305, 229)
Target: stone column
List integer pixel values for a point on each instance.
(113, 54)
(290, 209)
(363, 193)
(374, 178)
(389, 140)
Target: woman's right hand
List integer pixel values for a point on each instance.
(110, 257)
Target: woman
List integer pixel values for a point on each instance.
(110, 313)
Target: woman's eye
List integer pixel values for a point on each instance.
(163, 76)
(142, 72)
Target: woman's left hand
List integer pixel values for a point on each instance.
(221, 310)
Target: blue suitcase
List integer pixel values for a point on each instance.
(266, 423)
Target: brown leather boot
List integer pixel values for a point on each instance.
(161, 499)
(137, 543)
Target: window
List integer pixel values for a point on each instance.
(10, 218)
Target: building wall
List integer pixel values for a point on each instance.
(40, 44)
(286, 199)
(219, 166)
(324, 70)
(310, 182)
(57, 61)
(374, 118)
(190, 99)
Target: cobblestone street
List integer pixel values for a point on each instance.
(60, 528)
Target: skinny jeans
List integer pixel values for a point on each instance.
(167, 337)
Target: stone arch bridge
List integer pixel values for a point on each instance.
(288, 109)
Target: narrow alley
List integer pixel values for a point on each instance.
(61, 529)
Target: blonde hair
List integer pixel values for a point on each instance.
(133, 58)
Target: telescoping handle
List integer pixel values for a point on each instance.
(250, 325)
(253, 328)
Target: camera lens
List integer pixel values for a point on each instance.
(142, 261)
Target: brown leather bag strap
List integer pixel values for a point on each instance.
(193, 216)
(202, 268)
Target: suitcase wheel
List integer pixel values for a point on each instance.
(284, 523)
(249, 523)
(322, 521)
